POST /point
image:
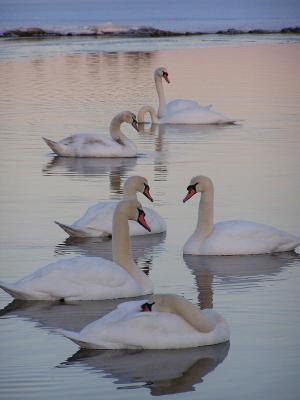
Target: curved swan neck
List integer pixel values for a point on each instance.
(115, 128)
(129, 191)
(186, 310)
(161, 97)
(144, 110)
(205, 221)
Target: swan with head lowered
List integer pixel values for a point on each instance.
(165, 321)
(91, 278)
(230, 237)
(179, 111)
(98, 145)
(98, 219)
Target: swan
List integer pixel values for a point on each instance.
(98, 145)
(180, 111)
(230, 237)
(91, 278)
(165, 321)
(97, 220)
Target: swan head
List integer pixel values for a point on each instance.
(130, 118)
(139, 184)
(133, 211)
(162, 73)
(146, 307)
(198, 184)
(162, 303)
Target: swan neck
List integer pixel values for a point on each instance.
(144, 110)
(161, 97)
(121, 250)
(195, 318)
(115, 128)
(129, 192)
(205, 221)
(190, 313)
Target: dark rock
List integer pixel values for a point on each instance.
(230, 32)
(29, 32)
(295, 29)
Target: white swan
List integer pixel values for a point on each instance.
(181, 111)
(97, 220)
(98, 145)
(230, 237)
(173, 323)
(91, 278)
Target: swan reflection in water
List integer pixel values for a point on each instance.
(166, 136)
(115, 168)
(143, 248)
(241, 271)
(55, 315)
(161, 371)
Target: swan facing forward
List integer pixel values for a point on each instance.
(230, 237)
(171, 322)
(98, 145)
(98, 219)
(91, 278)
(181, 111)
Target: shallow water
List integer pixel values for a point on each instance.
(255, 169)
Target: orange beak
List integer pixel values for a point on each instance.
(146, 193)
(191, 192)
(141, 220)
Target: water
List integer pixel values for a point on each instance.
(190, 15)
(255, 169)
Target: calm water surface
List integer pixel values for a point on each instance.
(255, 168)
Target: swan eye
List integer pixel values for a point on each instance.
(141, 212)
(191, 187)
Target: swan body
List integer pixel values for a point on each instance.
(98, 145)
(168, 326)
(98, 219)
(235, 237)
(181, 111)
(90, 278)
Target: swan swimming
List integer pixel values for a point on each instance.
(98, 145)
(98, 219)
(165, 321)
(179, 111)
(91, 278)
(230, 237)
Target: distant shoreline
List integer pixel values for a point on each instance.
(36, 32)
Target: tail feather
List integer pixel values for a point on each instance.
(54, 146)
(75, 337)
(13, 291)
(72, 231)
(82, 233)
(289, 245)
